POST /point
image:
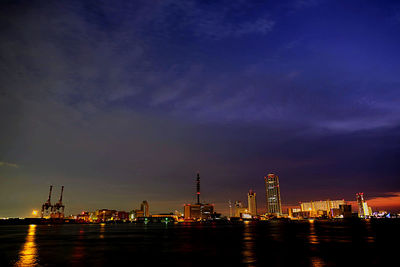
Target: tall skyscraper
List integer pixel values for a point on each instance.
(363, 209)
(145, 208)
(273, 194)
(252, 204)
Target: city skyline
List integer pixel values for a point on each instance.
(271, 207)
(124, 101)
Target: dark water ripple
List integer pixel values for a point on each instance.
(273, 243)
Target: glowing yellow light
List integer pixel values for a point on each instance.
(28, 254)
(34, 212)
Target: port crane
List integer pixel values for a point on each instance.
(58, 208)
(47, 207)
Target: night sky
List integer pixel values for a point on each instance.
(124, 101)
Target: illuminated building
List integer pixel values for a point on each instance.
(252, 204)
(335, 213)
(293, 212)
(164, 218)
(186, 211)
(273, 194)
(139, 213)
(121, 216)
(145, 208)
(345, 210)
(238, 204)
(105, 215)
(241, 211)
(363, 210)
(83, 217)
(322, 207)
(198, 211)
(142, 212)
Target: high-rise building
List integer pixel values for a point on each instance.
(363, 209)
(145, 208)
(252, 204)
(273, 194)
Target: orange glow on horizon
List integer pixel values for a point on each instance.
(391, 201)
(384, 202)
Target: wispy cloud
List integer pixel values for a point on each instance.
(214, 20)
(298, 4)
(7, 164)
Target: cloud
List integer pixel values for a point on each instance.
(391, 199)
(7, 164)
(299, 4)
(213, 20)
(113, 89)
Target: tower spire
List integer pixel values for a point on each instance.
(198, 187)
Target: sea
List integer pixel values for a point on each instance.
(264, 243)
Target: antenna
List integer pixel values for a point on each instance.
(198, 187)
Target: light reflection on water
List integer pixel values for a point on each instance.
(102, 230)
(272, 243)
(370, 236)
(314, 240)
(248, 248)
(79, 248)
(28, 256)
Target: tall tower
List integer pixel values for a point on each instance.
(273, 194)
(363, 209)
(198, 187)
(251, 203)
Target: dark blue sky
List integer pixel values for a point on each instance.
(122, 101)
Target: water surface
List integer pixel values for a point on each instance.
(272, 243)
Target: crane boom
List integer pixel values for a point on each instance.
(51, 188)
(62, 190)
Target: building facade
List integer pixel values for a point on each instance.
(273, 194)
(322, 207)
(145, 208)
(363, 210)
(252, 204)
(198, 211)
